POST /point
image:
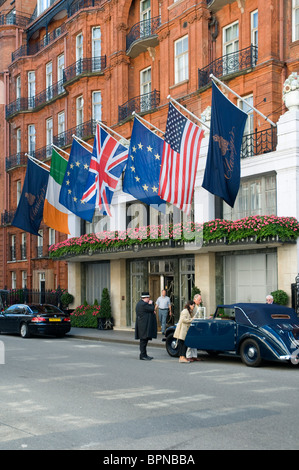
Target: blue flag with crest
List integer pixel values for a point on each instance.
(74, 182)
(222, 172)
(142, 173)
(29, 212)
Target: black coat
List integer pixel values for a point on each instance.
(146, 322)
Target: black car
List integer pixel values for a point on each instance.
(34, 319)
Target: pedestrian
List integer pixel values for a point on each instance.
(269, 299)
(197, 313)
(146, 324)
(163, 305)
(182, 330)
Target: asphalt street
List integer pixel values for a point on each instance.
(78, 394)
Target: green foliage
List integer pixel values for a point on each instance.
(105, 304)
(280, 297)
(66, 299)
(85, 316)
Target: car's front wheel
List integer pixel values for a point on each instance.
(250, 353)
(171, 346)
(24, 330)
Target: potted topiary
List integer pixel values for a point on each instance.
(66, 299)
(280, 297)
(105, 321)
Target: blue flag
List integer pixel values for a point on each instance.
(142, 173)
(74, 182)
(222, 173)
(29, 212)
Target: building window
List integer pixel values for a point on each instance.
(19, 147)
(79, 53)
(231, 48)
(40, 244)
(49, 135)
(295, 22)
(13, 280)
(145, 16)
(42, 5)
(96, 106)
(24, 279)
(18, 87)
(256, 196)
(96, 48)
(254, 28)
(31, 89)
(31, 139)
(23, 247)
(19, 190)
(13, 248)
(60, 69)
(51, 236)
(145, 89)
(79, 110)
(181, 59)
(49, 80)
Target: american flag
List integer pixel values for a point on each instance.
(108, 160)
(180, 159)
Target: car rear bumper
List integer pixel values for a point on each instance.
(55, 329)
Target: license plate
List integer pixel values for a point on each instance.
(54, 319)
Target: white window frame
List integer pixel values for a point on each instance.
(19, 190)
(96, 48)
(31, 88)
(19, 140)
(97, 105)
(254, 28)
(181, 59)
(18, 87)
(232, 43)
(13, 280)
(295, 20)
(60, 69)
(24, 279)
(31, 139)
(79, 112)
(145, 88)
(49, 131)
(51, 236)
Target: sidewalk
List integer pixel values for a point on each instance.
(117, 335)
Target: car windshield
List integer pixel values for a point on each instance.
(45, 309)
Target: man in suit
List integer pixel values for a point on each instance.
(146, 324)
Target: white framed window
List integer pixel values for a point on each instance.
(24, 279)
(31, 89)
(18, 87)
(97, 106)
(19, 142)
(40, 243)
(145, 89)
(254, 28)
(145, 17)
(295, 20)
(13, 247)
(23, 246)
(79, 53)
(96, 48)
(31, 139)
(49, 80)
(60, 69)
(13, 280)
(256, 196)
(49, 132)
(19, 190)
(181, 62)
(42, 5)
(79, 114)
(249, 111)
(61, 122)
(51, 236)
(231, 48)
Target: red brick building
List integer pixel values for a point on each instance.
(66, 64)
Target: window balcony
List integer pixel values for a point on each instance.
(83, 131)
(259, 142)
(228, 64)
(30, 104)
(83, 67)
(13, 18)
(139, 104)
(142, 35)
(216, 5)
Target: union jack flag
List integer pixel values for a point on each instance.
(108, 160)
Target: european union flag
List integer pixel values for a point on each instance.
(74, 182)
(29, 212)
(222, 173)
(142, 173)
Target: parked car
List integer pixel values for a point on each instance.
(34, 319)
(253, 331)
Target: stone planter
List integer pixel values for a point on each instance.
(291, 100)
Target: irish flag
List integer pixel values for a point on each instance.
(55, 214)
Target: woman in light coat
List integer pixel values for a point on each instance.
(182, 329)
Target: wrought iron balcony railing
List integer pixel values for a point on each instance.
(139, 104)
(143, 30)
(259, 142)
(27, 104)
(83, 131)
(82, 66)
(227, 64)
(15, 18)
(31, 49)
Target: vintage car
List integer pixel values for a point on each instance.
(252, 331)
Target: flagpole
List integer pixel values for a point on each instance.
(146, 122)
(111, 130)
(83, 141)
(36, 160)
(60, 150)
(242, 99)
(187, 110)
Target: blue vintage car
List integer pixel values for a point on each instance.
(253, 331)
